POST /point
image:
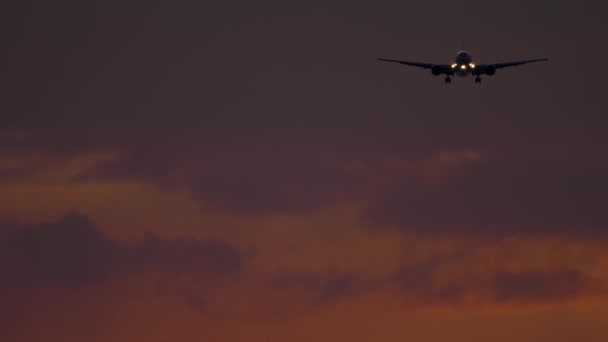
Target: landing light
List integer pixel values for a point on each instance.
(463, 67)
(454, 65)
(472, 65)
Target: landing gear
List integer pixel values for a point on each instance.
(477, 79)
(448, 80)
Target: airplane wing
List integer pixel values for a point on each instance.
(416, 64)
(484, 68)
(442, 68)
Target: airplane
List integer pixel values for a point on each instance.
(463, 66)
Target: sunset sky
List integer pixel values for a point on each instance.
(247, 171)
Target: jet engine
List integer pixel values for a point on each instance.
(490, 70)
(436, 70)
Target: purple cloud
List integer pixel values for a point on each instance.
(73, 253)
(527, 192)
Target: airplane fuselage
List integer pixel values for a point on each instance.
(463, 64)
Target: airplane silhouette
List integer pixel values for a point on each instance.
(463, 66)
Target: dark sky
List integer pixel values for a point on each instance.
(252, 166)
